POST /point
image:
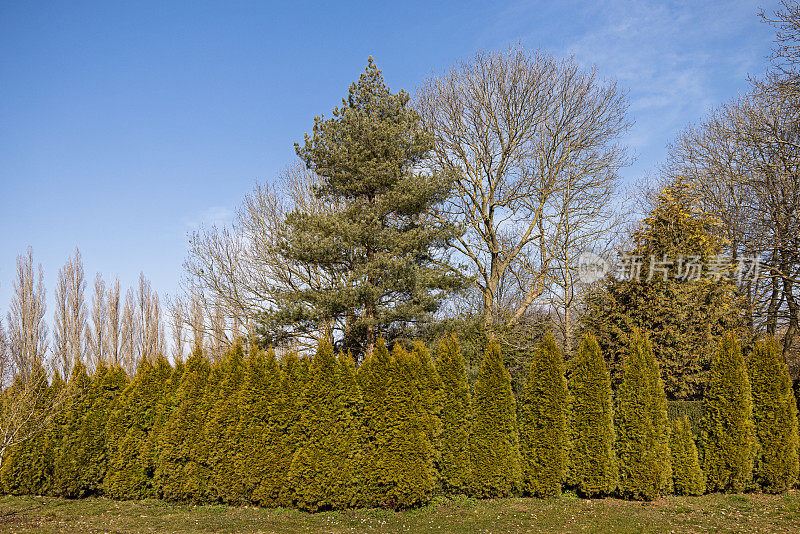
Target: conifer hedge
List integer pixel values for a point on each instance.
(542, 422)
(774, 418)
(727, 444)
(316, 433)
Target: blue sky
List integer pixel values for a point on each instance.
(123, 126)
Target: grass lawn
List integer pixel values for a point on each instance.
(711, 513)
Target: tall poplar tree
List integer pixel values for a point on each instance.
(378, 242)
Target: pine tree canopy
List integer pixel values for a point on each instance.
(379, 243)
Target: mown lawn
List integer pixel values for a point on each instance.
(711, 513)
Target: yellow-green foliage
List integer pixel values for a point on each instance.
(398, 457)
(323, 468)
(429, 384)
(261, 459)
(542, 422)
(183, 471)
(222, 438)
(642, 433)
(726, 437)
(455, 456)
(67, 475)
(28, 466)
(130, 472)
(774, 418)
(593, 462)
(688, 477)
(496, 468)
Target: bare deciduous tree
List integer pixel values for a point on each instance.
(529, 141)
(96, 332)
(238, 273)
(70, 315)
(112, 337)
(27, 330)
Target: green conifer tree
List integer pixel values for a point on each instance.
(774, 418)
(456, 461)
(726, 443)
(182, 472)
(28, 466)
(593, 468)
(638, 436)
(366, 155)
(320, 472)
(398, 462)
(129, 476)
(222, 438)
(496, 468)
(542, 422)
(67, 471)
(688, 477)
(261, 460)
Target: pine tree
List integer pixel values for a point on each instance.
(495, 443)
(726, 439)
(366, 155)
(688, 477)
(593, 462)
(456, 460)
(642, 449)
(222, 431)
(542, 422)
(262, 461)
(182, 472)
(774, 418)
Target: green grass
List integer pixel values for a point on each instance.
(711, 513)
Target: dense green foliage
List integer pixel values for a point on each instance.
(455, 464)
(688, 477)
(593, 469)
(543, 424)
(496, 470)
(642, 432)
(726, 441)
(774, 418)
(372, 238)
(317, 434)
(683, 309)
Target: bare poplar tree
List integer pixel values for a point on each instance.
(150, 326)
(96, 332)
(177, 314)
(27, 330)
(129, 334)
(528, 140)
(70, 314)
(112, 336)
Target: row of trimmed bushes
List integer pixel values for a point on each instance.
(320, 434)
